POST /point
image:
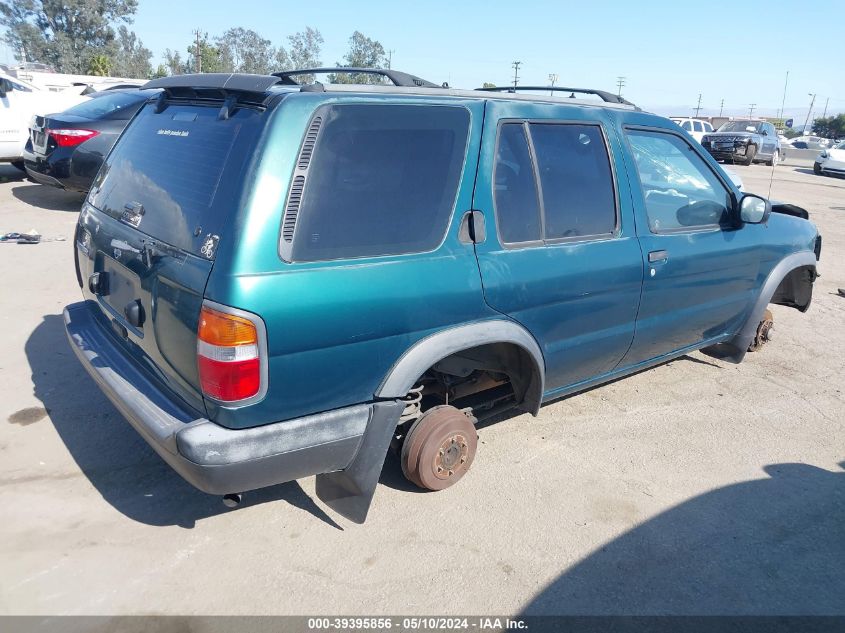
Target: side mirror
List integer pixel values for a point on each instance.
(754, 209)
(5, 87)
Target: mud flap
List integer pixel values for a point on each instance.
(349, 492)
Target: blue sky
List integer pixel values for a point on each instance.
(669, 52)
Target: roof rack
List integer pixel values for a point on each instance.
(607, 97)
(398, 78)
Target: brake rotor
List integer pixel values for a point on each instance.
(439, 448)
(764, 332)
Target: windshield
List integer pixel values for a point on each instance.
(840, 146)
(99, 107)
(741, 126)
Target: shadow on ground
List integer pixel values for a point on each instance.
(49, 198)
(773, 546)
(120, 465)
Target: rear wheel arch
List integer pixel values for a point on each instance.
(506, 344)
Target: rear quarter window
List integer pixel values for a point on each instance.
(382, 180)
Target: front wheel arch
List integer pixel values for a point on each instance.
(789, 283)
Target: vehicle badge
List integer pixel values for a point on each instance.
(117, 253)
(209, 246)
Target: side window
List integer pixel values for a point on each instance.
(708, 127)
(697, 126)
(687, 125)
(578, 197)
(680, 190)
(382, 180)
(515, 191)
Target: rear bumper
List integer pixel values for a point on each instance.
(215, 459)
(54, 170)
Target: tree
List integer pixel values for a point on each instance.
(245, 51)
(363, 53)
(830, 127)
(305, 48)
(67, 35)
(159, 72)
(133, 58)
(173, 62)
(211, 60)
(100, 66)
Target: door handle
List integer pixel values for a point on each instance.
(658, 256)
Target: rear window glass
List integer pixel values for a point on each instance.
(577, 183)
(171, 164)
(382, 181)
(515, 189)
(106, 105)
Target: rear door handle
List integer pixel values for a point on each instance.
(658, 256)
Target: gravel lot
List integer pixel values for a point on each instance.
(697, 487)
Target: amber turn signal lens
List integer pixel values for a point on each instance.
(226, 330)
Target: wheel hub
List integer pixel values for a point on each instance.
(452, 452)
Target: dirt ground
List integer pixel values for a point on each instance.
(697, 487)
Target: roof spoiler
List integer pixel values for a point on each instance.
(398, 78)
(229, 87)
(608, 97)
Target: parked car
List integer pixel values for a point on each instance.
(746, 141)
(695, 127)
(831, 161)
(809, 142)
(19, 102)
(66, 150)
(274, 286)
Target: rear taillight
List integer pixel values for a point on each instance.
(229, 355)
(69, 138)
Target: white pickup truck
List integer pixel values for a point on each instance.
(19, 102)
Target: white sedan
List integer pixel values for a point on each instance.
(831, 161)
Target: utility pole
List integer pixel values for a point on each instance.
(826, 101)
(721, 107)
(390, 59)
(197, 53)
(807, 120)
(552, 78)
(751, 109)
(620, 82)
(783, 101)
(516, 66)
(698, 107)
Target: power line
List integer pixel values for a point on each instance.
(516, 66)
(620, 83)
